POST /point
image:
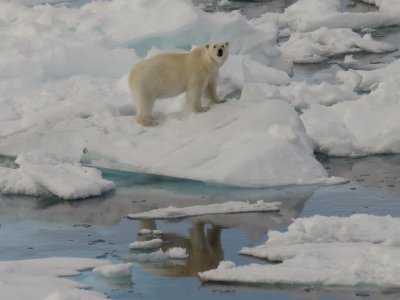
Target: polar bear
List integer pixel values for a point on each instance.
(171, 74)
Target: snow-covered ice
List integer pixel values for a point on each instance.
(177, 253)
(39, 279)
(319, 45)
(368, 125)
(114, 270)
(145, 245)
(146, 231)
(59, 100)
(309, 15)
(174, 253)
(41, 174)
(211, 209)
(359, 250)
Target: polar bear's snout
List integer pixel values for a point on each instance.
(220, 52)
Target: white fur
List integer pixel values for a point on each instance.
(171, 74)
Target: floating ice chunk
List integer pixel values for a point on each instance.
(15, 181)
(211, 209)
(146, 231)
(155, 256)
(114, 271)
(349, 60)
(177, 253)
(319, 45)
(145, 245)
(224, 2)
(39, 279)
(40, 173)
(345, 251)
(366, 81)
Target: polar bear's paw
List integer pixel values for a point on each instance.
(146, 121)
(202, 109)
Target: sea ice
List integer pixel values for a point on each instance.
(39, 279)
(329, 251)
(177, 253)
(309, 15)
(40, 173)
(219, 208)
(58, 99)
(114, 270)
(319, 45)
(368, 125)
(146, 245)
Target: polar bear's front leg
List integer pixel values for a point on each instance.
(211, 90)
(194, 96)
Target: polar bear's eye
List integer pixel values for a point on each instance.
(215, 46)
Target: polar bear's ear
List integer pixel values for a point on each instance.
(207, 46)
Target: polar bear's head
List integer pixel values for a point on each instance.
(218, 51)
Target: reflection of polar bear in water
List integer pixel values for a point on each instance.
(171, 74)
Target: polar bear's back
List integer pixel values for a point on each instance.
(164, 75)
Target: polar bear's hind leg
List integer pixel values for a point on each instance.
(144, 107)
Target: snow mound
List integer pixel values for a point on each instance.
(45, 279)
(199, 210)
(40, 173)
(324, 251)
(114, 271)
(319, 45)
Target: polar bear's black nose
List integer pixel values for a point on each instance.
(220, 52)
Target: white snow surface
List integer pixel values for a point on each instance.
(114, 270)
(211, 209)
(64, 93)
(359, 250)
(39, 279)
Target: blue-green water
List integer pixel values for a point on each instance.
(97, 228)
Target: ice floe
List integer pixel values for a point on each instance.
(114, 270)
(39, 279)
(41, 174)
(229, 207)
(358, 251)
(159, 256)
(146, 245)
